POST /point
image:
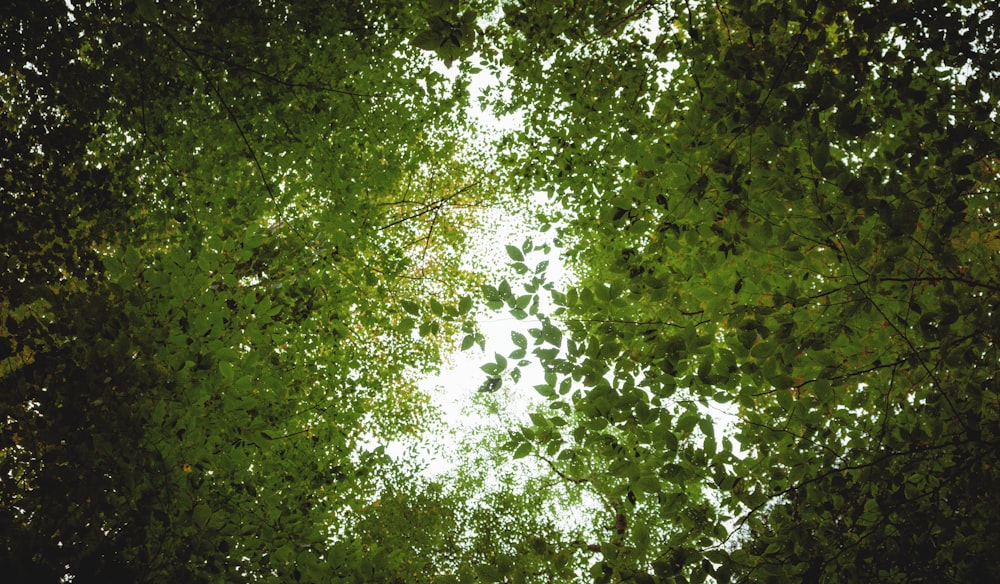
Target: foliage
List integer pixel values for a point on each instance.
(784, 212)
(465, 527)
(234, 237)
(228, 252)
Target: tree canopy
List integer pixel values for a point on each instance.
(235, 236)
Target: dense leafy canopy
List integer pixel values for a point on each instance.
(231, 242)
(235, 235)
(785, 211)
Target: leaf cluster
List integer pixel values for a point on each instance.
(787, 293)
(218, 223)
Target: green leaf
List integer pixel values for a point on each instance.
(132, 259)
(436, 308)
(545, 390)
(428, 40)
(490, 293)
(147, 9)
(785, 399)
(492, 384)
(515, 253)
(488, 573)
(114, 267)
(227, 370)
(201, 515)
(551, 334)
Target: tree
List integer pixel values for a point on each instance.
(210, 280)
(233, 237)
(787, 213)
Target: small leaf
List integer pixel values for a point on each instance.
(428, 40)
(515, 253)
(518, 339)
(113, 266)
(785, 399)
(202, 513)
(490, 385)
(551, 334)
(132, 259)
(436, 307)
(147, 9)
(488, 573)
(522, 450)
(490, 293)
(648, 483)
